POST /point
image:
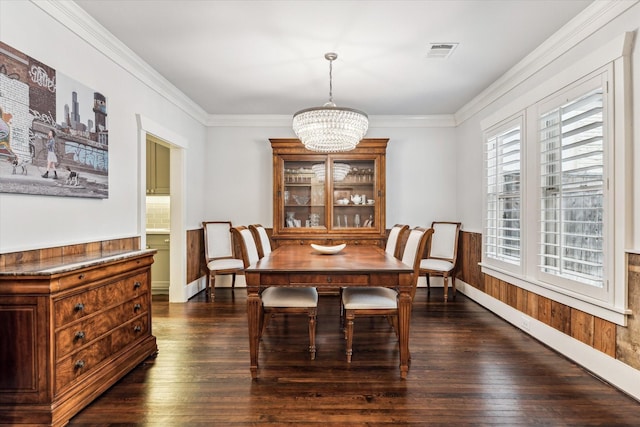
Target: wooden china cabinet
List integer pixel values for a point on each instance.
(329, 198)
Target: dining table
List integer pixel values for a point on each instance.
(302, 266)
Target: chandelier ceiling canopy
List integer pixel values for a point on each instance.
(330, 129)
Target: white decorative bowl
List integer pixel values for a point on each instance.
(328, 250)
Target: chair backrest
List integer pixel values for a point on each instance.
(444, 242)
(262, 239)
(247, 245)
(413, 250)
(217, 239)
(394, 241)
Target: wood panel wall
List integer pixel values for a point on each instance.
(616, 341)
(196, 263)
(98, 247)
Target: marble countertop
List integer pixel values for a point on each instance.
(63, 264)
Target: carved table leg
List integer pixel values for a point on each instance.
(404, 320)
(254, 316)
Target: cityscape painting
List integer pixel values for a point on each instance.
(53, 131)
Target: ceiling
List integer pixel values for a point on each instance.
(267, 57)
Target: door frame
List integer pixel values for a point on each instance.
(177, 195)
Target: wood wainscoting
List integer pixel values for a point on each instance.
(98, 247)
(616, 341)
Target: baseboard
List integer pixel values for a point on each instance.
(609, 369)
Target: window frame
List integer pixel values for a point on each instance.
(598, 79)
(495, 132)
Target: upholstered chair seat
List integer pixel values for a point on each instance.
(368, 298)
(225, 264)
(289, 297)
(436, 265)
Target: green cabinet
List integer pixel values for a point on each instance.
(158, 176)
(160, 267)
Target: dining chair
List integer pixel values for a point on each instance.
(395, 239)
(393, 247)
(261, 238)
(219, 254)
(380, 301)
(442, 255)
(280, 300)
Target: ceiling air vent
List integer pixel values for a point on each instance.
(441, 50)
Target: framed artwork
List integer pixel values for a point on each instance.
(54, 138)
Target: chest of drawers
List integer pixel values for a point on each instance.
(69, 329)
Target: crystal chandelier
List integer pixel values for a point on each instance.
(330, 129)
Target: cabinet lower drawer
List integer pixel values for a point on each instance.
(76, 365)
(80, 333)
(92, 301)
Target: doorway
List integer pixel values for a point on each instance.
(177, 145)
(158, 212)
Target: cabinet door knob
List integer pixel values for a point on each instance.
(79, 364)
(79, 335)
(79, 307)
(137, 285)
(136, 307)
(137, 328)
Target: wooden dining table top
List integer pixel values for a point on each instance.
(352, 259)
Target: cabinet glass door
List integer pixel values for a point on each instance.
(354, 195)
(304, 194)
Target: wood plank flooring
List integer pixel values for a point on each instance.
(468, 367)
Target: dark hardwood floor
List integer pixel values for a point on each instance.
(468, 367)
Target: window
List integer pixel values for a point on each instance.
(503, 196)
(558, 194)
(572, 176)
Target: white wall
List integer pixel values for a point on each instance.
(421, 173)
(30, 222)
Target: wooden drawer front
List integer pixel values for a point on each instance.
(76, 365)
(96, 274)
(92, 301)
(329, 280)
(274, 279)
(301, 242)
(81, 333)
(130, 332)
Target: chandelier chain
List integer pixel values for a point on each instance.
(330, 80)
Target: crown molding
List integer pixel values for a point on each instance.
(592, 18)
(264, 120)
(72, 16)
(596, 15)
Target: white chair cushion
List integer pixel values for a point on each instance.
(264, 241)
(290, 297)
(436, 265)
(369, 298)
(250, 246)
(392, 241)
(443, 240)
(225, 264)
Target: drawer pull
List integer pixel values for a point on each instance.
(137, 285)
(137, 328)
(136, 307)
(329, 279)
(79, 307)
(81, 276)
(79, 364)
(79, 335)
